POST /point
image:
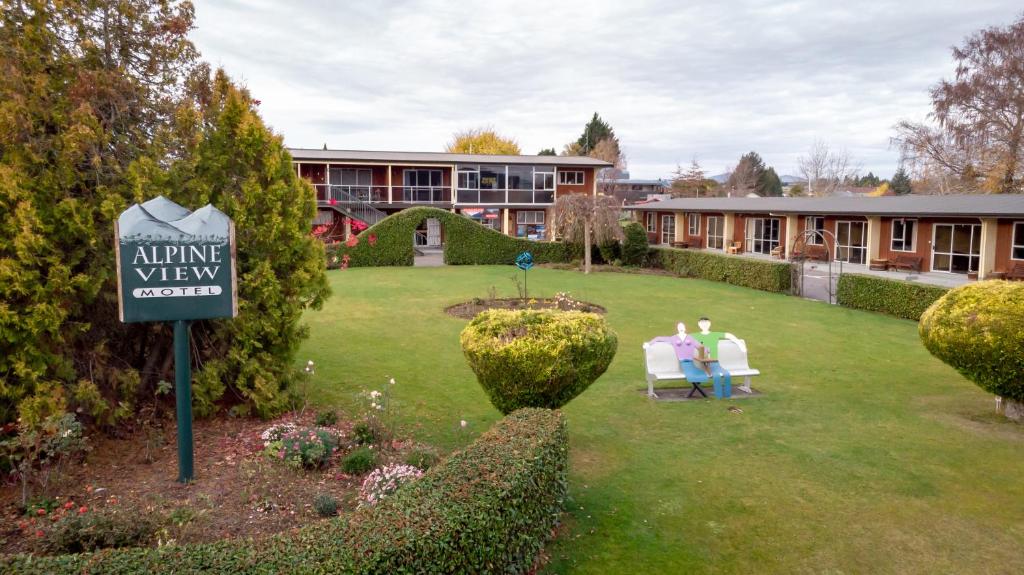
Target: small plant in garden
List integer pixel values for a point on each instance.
(381, 412)
(385, 481)
(326, 418)
(325, 505)
(308, 447)
(359, 461)
(532, 358)
(421, 458)
(276, 432)
(40, 451)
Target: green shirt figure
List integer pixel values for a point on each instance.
(709, 339)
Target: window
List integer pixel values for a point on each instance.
(816, 224)
(762, 235)
(716, 233)
(422, 186)
(543, 180)
(1017, 251)
(956, 248)
(668, 228)
(652, 222)
(530, 224)
(570, 178)
(851, 242)
(515, 184)
(693, 224)
(903, 235)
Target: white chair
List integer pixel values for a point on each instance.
(662, 365)
(733, 359)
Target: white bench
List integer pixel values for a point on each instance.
(733, 359)
(661, 364)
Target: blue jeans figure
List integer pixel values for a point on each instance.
(694, 375)
(722, 380)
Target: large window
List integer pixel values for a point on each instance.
(851, 242)
(422, 186)
(1017, 251)
(815, 224)
(903, 233)
(762, 235)
(516, 184)
(956, 248)
(652, 222)
(693, 224)
(668, 228)
(716, 233)
(349, 183)
(570, 178)
(530, 224)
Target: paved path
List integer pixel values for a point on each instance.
(431, 258)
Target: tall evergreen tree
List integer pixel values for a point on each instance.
(746, 177)
(769, 183)
(900, 183)
(103, 104)
(595, 131)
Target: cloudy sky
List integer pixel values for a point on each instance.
(677, 80)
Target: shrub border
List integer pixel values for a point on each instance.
(898, 298)
(770, 276)
(489, 508)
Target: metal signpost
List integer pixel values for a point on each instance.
(176, 265)
(524, 261)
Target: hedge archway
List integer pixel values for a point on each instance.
(389, 243)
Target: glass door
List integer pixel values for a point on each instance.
(668, 229)
(851, 242)
(762, 235)
(956, 248)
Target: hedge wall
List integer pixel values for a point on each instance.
(763, 275)
(465, 243)
(893, 297)
(487, 509)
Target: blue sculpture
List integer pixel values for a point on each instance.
(524, 261)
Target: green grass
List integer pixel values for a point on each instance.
(865, 455)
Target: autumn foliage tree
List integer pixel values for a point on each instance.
(482, 141)
(103, 104)
(976, 139)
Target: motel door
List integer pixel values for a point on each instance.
(433, 233)
(851, 240)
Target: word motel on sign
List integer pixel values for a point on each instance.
(189, 291)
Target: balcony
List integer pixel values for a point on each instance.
(499, 196)
(429, 195)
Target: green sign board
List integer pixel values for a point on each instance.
(174, 264)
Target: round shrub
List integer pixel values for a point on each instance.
(359, 461)
(978, 329)
(325, 505)
(634, 245)
(537, 358)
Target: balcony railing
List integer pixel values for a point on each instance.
(429, 195)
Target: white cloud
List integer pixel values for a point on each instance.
(705, 79)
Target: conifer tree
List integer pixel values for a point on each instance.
(900, 184)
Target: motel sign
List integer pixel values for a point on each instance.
(174, 264)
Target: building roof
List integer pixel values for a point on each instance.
(982, 205)
(441, 158)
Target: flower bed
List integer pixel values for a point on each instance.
(562, 301)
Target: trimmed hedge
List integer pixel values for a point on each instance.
(747, 272)
(892, 297)
(487, 509)
(977, 329)
(537, 358)
(465, 243)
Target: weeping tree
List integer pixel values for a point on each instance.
(587, 220)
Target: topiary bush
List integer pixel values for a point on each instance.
(537, 358)
(978, 329)
(634, 245)
(747, 272)
(893, 297)
(389, 243)
(487, 509)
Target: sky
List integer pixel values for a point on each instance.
(704, 80)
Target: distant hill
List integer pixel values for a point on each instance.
(786, 180)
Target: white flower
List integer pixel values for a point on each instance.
(374, 394)
(373, 404)
(392, 381)
(463, 423)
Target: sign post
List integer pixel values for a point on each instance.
(178, 266)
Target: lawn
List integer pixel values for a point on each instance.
(865, 454)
